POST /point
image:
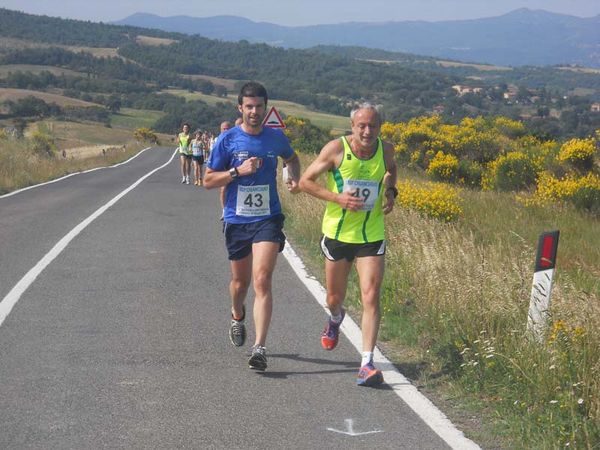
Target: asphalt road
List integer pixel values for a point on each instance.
(121, 341)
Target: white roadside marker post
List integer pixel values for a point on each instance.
(539, 306)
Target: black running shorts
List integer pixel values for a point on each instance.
(336, 250)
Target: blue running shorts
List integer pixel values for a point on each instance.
(239, 237)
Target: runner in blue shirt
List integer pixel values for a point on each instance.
(245, 159)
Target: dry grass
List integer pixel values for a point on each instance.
(230, 85)
(154, 41)
(338, 124)
(100, 52)
(60, 100)
(482, 67)
(36, 69)
(21, 166)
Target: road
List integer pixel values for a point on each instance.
(121, 339)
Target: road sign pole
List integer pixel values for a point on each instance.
(539, 306)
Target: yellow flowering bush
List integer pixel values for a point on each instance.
(511, 172)
(42, 144)
(443, 167)
(144, 134)
(579, 153)
(435, 200)
(508, 127)
(583, 192)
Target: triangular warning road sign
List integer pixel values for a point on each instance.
(273, 119)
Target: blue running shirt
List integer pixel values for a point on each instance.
(253, 197)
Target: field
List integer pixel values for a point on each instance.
(15, 44)
(338, 124)
(581, 69)
(154, 41)
(7, 68)
(60, 100)
(230, 85)
(135, 118)
(68, 135)
(482, 67)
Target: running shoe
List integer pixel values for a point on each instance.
(183, 180)
(331, 333)
(187, 180)
(237, 330)
(368, 375)
(258, 359)
(200, 182)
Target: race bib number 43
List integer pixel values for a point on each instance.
(253, 201)
(366, 190)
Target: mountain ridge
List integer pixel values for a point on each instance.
(517, 38)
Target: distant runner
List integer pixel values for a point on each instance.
(197, 145)
(361, 188)
(185, 153)
(245, 160)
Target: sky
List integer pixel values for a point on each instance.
(301, 12)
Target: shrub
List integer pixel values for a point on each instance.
(511, 172)
(42, 144)
(435, 200)
(579, 153)
(509, 128)
(443, 167)
(469, 173)
(583, 192)
(145, 135)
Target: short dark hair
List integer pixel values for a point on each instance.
(252, 89)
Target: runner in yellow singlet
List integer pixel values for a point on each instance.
(183, 141)
(361, 189)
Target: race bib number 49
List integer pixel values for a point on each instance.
(366, 190)
(253, 201)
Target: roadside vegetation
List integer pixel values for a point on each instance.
(36, 157)
(459, 272)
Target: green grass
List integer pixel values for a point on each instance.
(338, 124)
(135, 118)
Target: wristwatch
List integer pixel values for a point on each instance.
(233, 172)
(394, 189)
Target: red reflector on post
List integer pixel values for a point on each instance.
(546, 258)
(546, 254)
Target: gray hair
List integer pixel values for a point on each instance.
(367, 105)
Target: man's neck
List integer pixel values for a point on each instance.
(361, 151)
(251, 130)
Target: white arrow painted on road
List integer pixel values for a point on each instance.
(350, 429)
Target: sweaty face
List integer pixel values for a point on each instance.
(253, 111)
(366, 127)
(186, 129)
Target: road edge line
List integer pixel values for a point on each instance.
(421, 405)
(13, 296)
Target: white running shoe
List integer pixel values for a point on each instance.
(187, 180)
(183, 180)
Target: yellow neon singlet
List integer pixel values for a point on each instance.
(364, 178)
(184, 143)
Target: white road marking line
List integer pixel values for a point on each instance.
(10, 300)
(421, 405)
(72, 174)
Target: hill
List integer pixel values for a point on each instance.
(521, 37)
(144, 65)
